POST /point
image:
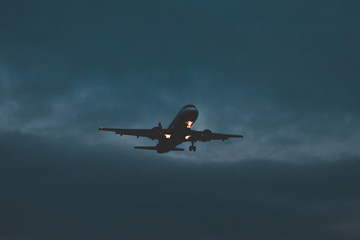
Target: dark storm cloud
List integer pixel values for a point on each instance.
(282, 73)
(292, 62)
(64, 189)
(272, 71)
(290, 53)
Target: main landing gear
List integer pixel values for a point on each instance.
(192, 147)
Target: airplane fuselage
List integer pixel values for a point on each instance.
(179, 129)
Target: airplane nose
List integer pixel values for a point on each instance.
(196, 112)
(193, 113)
(189, 114)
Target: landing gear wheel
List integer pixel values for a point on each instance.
(192, 148)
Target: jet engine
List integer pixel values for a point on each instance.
(157, 131)
(206, 135)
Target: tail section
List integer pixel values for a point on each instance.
(177, 149)
(146, 148)
(156, 149)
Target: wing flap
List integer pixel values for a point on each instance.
(219, 136)
(207, 135)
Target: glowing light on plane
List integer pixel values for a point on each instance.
(189, 124)
(167, 136)
(187, 137)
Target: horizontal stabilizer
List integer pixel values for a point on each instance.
(146, 148)
(177, 149)
(155, 148)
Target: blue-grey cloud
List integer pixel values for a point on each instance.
(60, 188)
(284, 74)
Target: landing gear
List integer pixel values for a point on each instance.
(192, 147)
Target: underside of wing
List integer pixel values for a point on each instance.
(150, 133)
(207, 135)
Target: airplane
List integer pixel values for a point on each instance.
(178, 132)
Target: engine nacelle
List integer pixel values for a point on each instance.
(156, 132)
(206, 135)
(156, 129)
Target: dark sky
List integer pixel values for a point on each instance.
(285, 74)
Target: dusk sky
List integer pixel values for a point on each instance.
(284, 74)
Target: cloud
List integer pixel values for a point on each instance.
(62, 188)
(283, 74)
(273, 72)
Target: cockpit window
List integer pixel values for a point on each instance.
(189, 105)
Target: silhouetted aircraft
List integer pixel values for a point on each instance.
(178, 132)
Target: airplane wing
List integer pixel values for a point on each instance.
(150, 133)
(207, 135)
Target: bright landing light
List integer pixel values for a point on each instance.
(167, 136)
(189, 123)
(187, 137)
